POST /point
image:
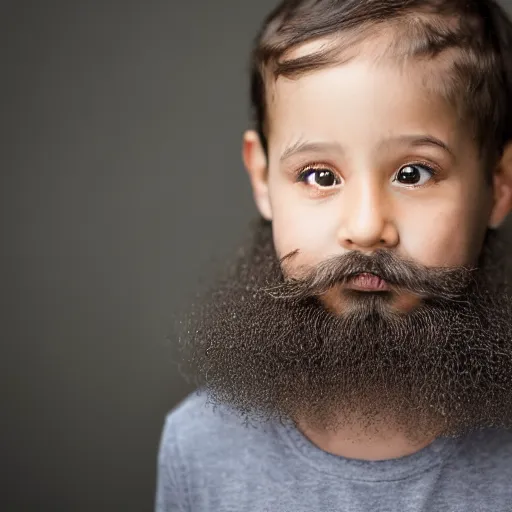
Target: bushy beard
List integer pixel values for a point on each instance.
(267, 346)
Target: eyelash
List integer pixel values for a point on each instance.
(303, 172)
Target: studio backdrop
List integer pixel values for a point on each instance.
(122, 190)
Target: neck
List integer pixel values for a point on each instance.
(355, 443)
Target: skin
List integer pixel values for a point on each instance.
(368, 123)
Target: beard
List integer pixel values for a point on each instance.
(267, 346)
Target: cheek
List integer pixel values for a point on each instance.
(300, 226)
(449, 234)
(298, 232)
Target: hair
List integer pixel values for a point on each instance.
(470, 39)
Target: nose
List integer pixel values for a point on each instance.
(365, 221)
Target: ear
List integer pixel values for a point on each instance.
(502, 185)
(256, 164)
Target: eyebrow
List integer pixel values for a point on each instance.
(314, 147)
(422, 140)
(310, 147)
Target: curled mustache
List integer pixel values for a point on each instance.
(446, 283)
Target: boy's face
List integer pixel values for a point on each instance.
(366, 165)
(363, 156)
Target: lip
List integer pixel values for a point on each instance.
(367, 283)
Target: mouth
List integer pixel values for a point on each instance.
(367, 282)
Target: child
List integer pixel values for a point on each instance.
(360, 351)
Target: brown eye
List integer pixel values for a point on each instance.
(323, 178)
(414, 174)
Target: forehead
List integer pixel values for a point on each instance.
(370, 71)
(362, 97)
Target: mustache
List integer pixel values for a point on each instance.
(447, 283)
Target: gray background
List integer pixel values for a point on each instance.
(122, 182)
(122, 186)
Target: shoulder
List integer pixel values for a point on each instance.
(197, 431)
(493, 444)
(210, 453)
(488, 451)
(196, 417)
(192, 415)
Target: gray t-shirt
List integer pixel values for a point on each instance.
(209, 461)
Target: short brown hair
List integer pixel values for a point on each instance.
(478, 32)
